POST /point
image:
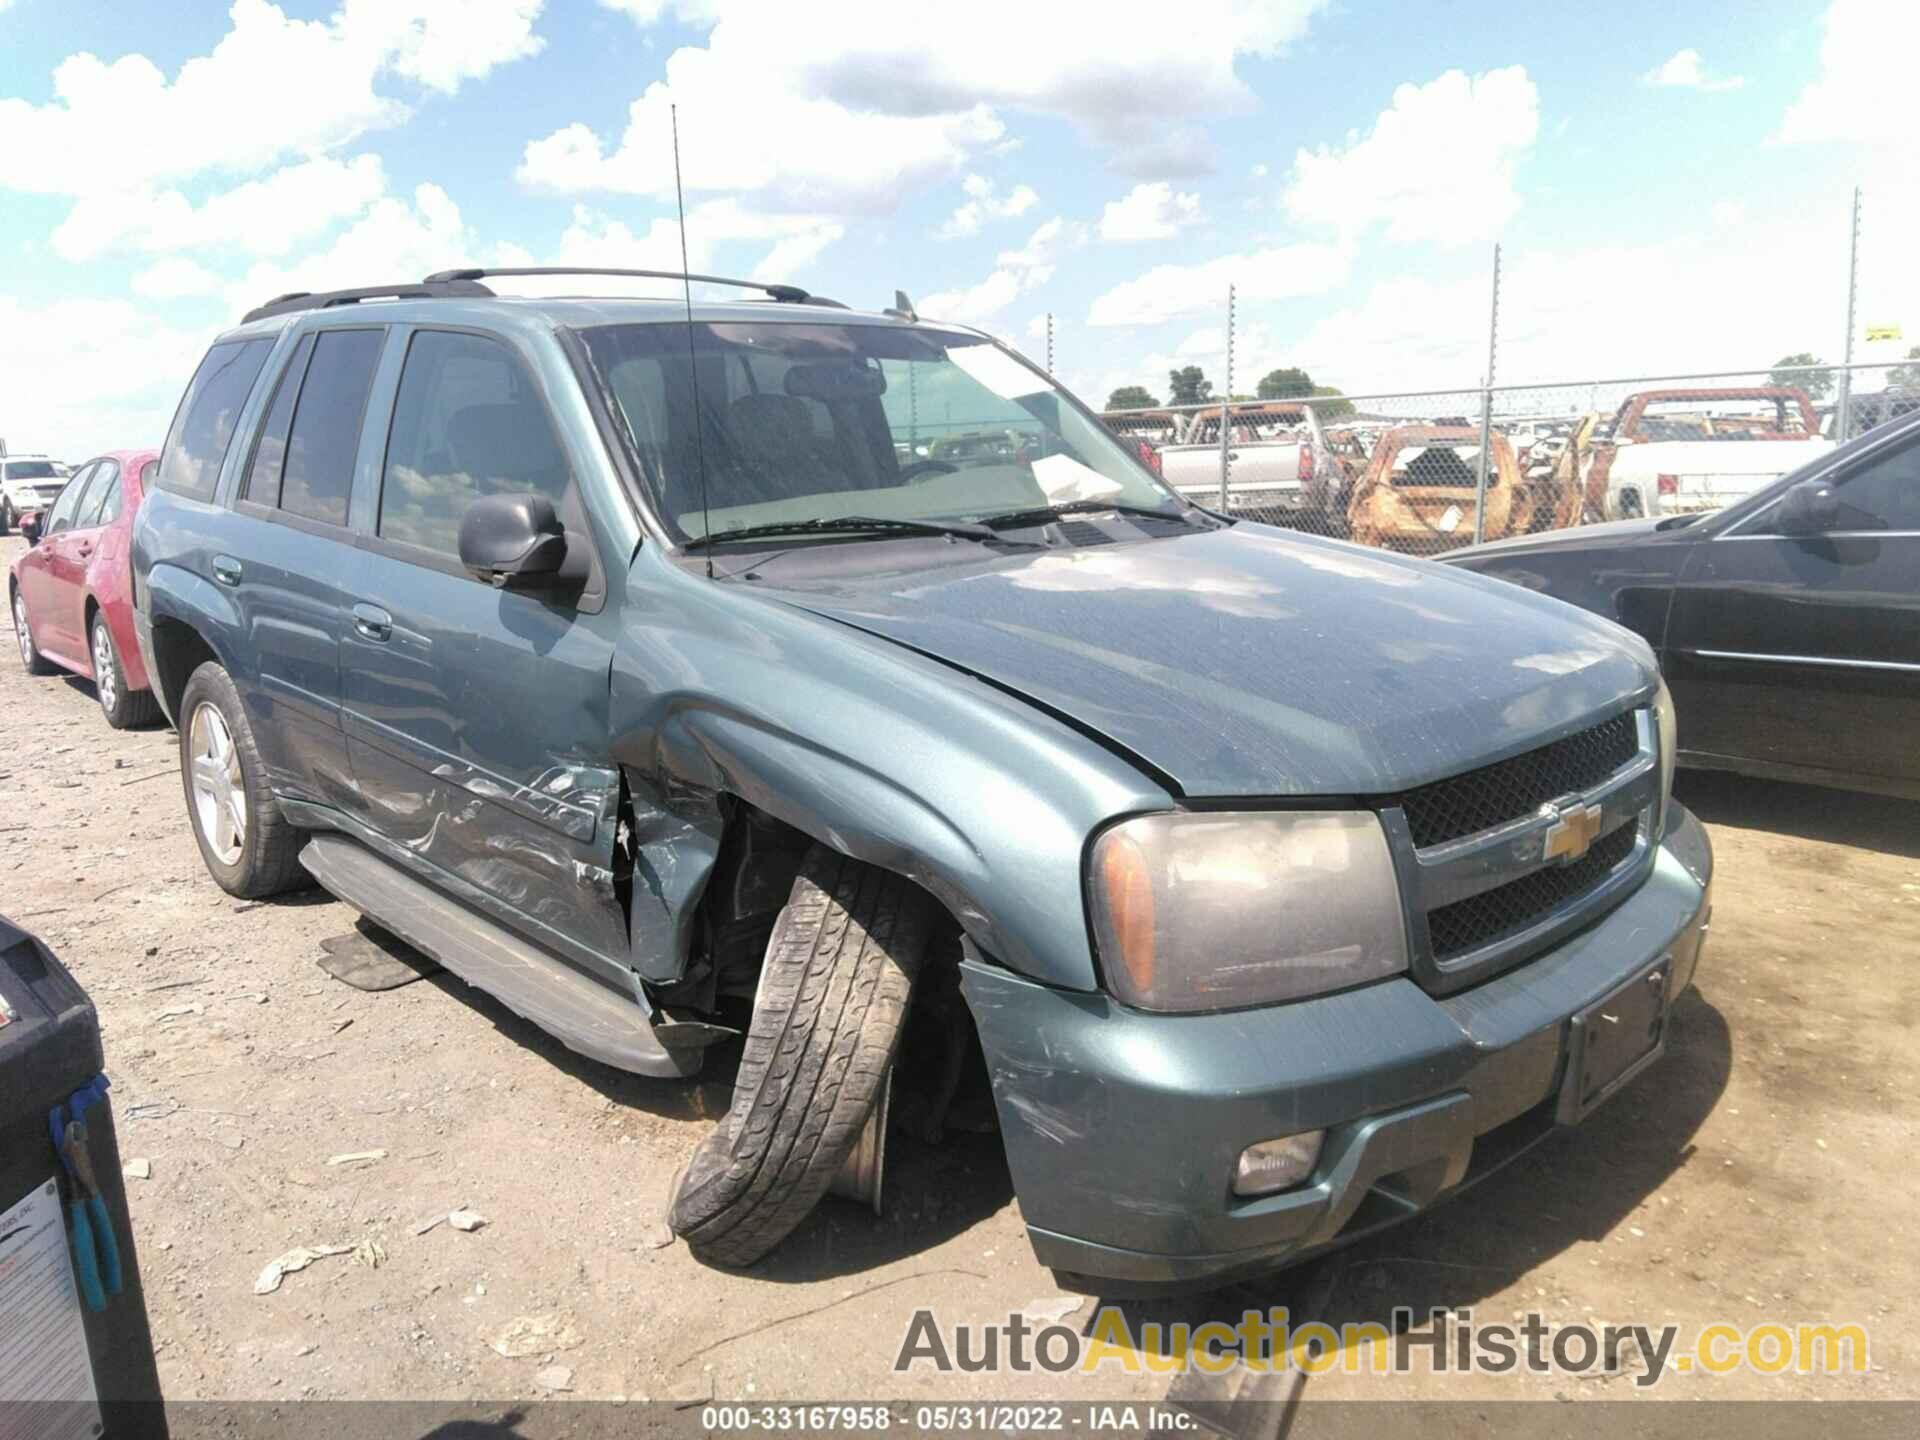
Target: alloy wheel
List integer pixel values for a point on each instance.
(20, 631)
(106, 680)
(219, 784)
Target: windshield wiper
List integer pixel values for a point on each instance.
(1041, 514)
(851, 525)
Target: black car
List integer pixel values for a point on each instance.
(1788, 625)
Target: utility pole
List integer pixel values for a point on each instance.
(1486, 407)
(1226, 399)
(1845, 408)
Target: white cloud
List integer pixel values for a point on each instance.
(441, 43)
(1437, 166)
(1015, 273)
(1153, 210)
(261, 217)
(174, 278)
(984, 203)
(826, 157)
(272, 87)
(82, 376)
(1683, 71)
(394, 240)
(1167, 292)
(1863, 92)
(846, 116)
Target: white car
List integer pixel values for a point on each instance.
(1673, 452)
(27, 482)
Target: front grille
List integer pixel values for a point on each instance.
(1494, 794)
(1494, 914)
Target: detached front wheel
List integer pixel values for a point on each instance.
(832, 999)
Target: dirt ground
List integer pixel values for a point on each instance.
(1761, 1172)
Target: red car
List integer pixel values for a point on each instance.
(72, 593)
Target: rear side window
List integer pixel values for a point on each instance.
(317, 479)
(203, 427)
(467, 422)
(110, 503)
(106, 478)
(270, 450)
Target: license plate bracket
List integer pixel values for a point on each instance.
(1614, 1039)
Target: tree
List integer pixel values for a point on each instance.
(1817, 383)
(1189, 386)
(1333, 409)
(1132, 397)
(1905, 377)
(1290, 383)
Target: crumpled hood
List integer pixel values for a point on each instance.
(1249, 661)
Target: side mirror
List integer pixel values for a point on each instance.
(513, 540)
(31, 526)
(1809, 507)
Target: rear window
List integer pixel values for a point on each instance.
(203, 426)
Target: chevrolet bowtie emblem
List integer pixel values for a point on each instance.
(1572, 834)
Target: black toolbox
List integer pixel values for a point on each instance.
(76, 1354)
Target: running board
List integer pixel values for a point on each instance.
(582, 1014)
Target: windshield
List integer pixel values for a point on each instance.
(805, 421)
(30, 470)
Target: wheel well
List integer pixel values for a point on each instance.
(940, 1062)
(178, 650)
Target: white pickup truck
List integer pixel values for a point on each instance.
(1670, 452)
(1280, 467)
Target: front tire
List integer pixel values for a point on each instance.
(30, 656)
(250, 849)
(123, 708)
(6, 518)
(827, 1018)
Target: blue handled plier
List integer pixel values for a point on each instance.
(96, 1250)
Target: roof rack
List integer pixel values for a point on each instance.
(465, 284)
(784, 294)
(435, 287)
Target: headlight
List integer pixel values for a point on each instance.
(1217, 912)
(1667, 737)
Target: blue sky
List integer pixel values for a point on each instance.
(1669, 183)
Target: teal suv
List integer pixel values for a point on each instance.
(659, 667)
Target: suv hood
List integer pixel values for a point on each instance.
(1246, 661)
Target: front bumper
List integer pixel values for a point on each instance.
(1122, 1128)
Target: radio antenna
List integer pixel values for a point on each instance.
(693, 362)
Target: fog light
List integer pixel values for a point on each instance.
(1276, 1164)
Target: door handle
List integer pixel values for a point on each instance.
(226, 569)
(373, 623)
(83, 549)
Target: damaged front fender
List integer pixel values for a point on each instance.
(873, 749)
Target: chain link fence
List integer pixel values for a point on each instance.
(1432, 470)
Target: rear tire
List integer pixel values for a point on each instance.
(30, 656)
(123, 708)
(250, 849)
(827, 1018)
